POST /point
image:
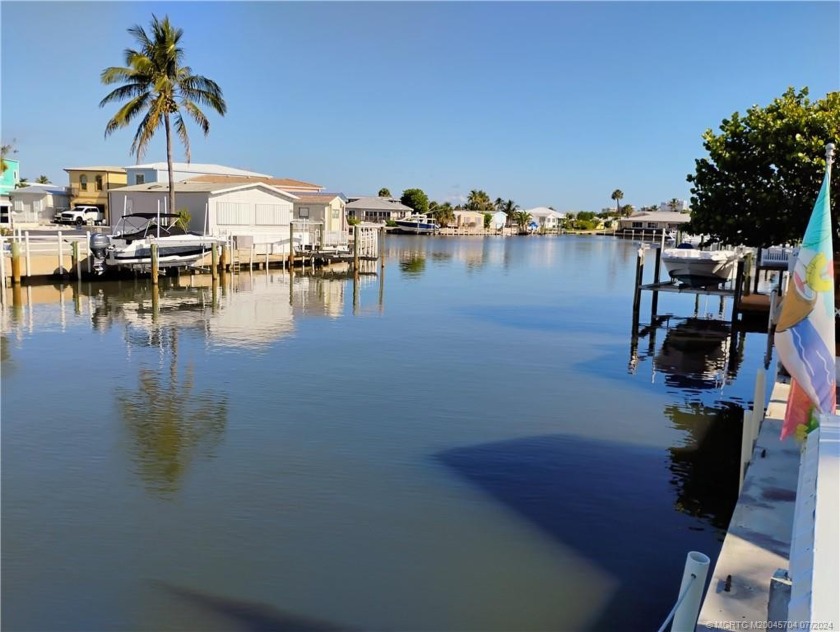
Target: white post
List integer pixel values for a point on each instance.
(87, 243)
(28, 258)
(251, 261)
(746, 446)
(267, 248)
(60, 253)
(2, 270)
(693, 582)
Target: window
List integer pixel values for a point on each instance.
(83, 182)
(38, 205)
(139, 179)
(335, 213)
(98, 183)
(303, 212)
(18, 205)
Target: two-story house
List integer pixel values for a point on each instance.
(159, 172)
(9, 179)
(89, 186)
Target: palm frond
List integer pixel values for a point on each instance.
(197, 115)
(127, 113)
(181, 130)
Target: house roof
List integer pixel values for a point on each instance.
(374, 203)
(317, 198)
(543, 211)
(187, 186)
(280, 183)
(659, 216)
(44, 189)
(195, 167)
(108, 168)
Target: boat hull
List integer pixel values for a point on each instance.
(417, 225)
(699, 269)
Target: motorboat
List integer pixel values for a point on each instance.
(418, 224)
(699, 268)
(130, 243)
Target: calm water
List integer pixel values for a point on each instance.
(471, 442)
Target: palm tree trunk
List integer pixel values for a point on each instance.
(169, 162)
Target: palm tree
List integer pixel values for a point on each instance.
(479, 201)
(5, 152)
(510, 208)
(384, 192)
(617, 195)
(522, 218)
(43, 180)
(157, 86)
(24, 182)
(499, 204)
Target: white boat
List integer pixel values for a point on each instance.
(130, 243)
(699, 268)
(418, 224)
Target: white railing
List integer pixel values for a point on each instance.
(815, 545)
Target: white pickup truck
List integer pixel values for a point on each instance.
(80, 215)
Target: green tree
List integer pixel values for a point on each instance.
(758, 185)
(478, 200)
(617, 196)
(499, 204)
(522, 218)
(24, 182)
(384, 192)
(5, 152)
(444, 213)
(416, 199)
(510, 207)
(158, 87)
(42, 180)
(488, 218)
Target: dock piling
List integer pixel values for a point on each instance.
(27, 255)
(691, 591)
(15, 263)
(640, 271)
(154, 264)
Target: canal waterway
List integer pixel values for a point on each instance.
(469, 440)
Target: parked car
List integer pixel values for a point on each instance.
(80, 215)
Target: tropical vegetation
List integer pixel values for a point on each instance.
(160, 90)
(758, 184)
(416, 199)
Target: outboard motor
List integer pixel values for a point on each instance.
(99, 245)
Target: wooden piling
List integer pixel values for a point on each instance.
(154, 264)
(356, 234)
(739, 281)
(657, 265)
(291, 246)
(60, 238)
(214, 261)
(27, 255)
(381, 246)
(640, 271)
(2, 270)
(77, 260)
(16, 263)
(225, 258)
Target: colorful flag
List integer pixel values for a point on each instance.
(805, 330)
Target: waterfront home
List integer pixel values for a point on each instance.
(9, 179)
(469, 220)
(653, 222)
(327, 210)
(546, 218)
(256, 211)
(89, 186)
(498, 220)
(377, 209)
(159, 172)
(286, 184)
(38, 203)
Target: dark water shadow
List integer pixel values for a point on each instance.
(249, 615)
(611, 503)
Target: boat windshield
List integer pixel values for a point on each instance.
(140, 226)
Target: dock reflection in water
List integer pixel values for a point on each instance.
(266, 452)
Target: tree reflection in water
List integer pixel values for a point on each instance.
(169, 423)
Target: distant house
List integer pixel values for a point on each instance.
(546, 218)
(653, 221)
(89, 186)
(158, 172)
(38, 203)
(472, 220)
(255, 210)
(8, 181)
(377, 209)
(326, 209)
(498, 220)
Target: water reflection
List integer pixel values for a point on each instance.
(412, 264)
(169, 423)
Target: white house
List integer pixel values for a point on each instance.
(256, 210)
(377, 209)
(654, 221)
(498, 220)
(158, 172)
(327, 211)
(38, 203)
(286, 184)
(546, 218)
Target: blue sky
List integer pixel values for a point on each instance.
(545, 103)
